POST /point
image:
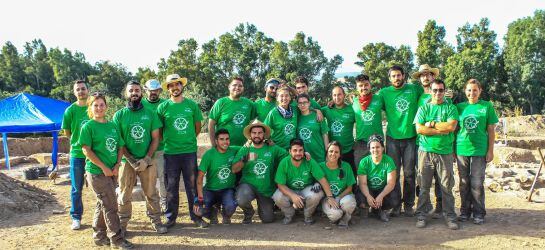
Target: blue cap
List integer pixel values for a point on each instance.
(153, 84)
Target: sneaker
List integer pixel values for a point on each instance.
(383, 216)
(248, 217)
(201, 223)
(478, 220)
(421, 223)
(122, 244)
(463, 217)
(160, 228)
(409, 212)
(213, 215)
(452, 225)
(226, 220)
(309, 221)
(286, 220)
(170, 223)
(76, 224)
(102, 242)
(395, 212)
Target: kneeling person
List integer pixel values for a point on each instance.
(220, 181)
(295, 178)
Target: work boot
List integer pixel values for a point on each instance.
(395, 212)
(409, 211)
(452, 225)
(226, 220)
(478, 220)
(170, 223)
(287, 220)
(309, 220)
(248, 217)
(102, 242)
(421, 223)
(343, 222)
(160, 228)
(122, 244)
(201, 223)
(383, 216)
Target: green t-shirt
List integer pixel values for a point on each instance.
(233, 116)
(337, 184)
(377, 174)
(368, 122)
(283, 130)
(444, 112)
(311, 132)
(136, 128)
(217, 167)
(298, 178)
(472, 138)
(263, 107)
(313, 104)
(425, 98)
(341, 125)
(260, 172)
(179, 125)
(105, 140)
(153, 106)
(401, 106)
(73, 119)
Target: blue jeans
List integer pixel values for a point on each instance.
(77, 170)
(186, 165)
(225, 196)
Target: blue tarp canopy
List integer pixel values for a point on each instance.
(26, 113)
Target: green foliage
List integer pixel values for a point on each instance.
(432, 48)
(376, 58)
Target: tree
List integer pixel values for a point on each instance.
(110, 78)
(68, 67)
(432, 48)
(38, 71)
(12, 74)
(524, 55)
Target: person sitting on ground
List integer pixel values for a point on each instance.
(377, 178)
(341, 178)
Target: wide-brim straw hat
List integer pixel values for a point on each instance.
(254, 124)
(425, 68)
(172, 79)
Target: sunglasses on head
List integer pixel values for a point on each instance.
(97, 94)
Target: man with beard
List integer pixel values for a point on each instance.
(264, 105)
(74, 118)
(139, 128)
(181, 119)
(297, 187)
(301, 87)
(401, 103)
(427, 75)
(258, 163)
(153, 90)
(232, 112)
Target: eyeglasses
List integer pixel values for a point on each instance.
(302, 103)
(438, 90)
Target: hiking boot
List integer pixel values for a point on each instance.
(248, 217)
(409, 212)
(463, 217)
(76, 224)
(395, 212)
(421, 223)
(452, 225)
(226, 220)
(160, 228)
(170, 223)
(286, 220)
(478, 220)
(122, 244)
(201, 223)
(102, 242)
(309, 221)
(214, 215)
(383, 216)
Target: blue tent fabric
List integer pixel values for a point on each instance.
(26, 113)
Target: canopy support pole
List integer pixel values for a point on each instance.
(55, 149)
(6, 152)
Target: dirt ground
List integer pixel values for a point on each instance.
(511, 222)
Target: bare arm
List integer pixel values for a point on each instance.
(446, 127)
(491, 129)
(68, 132)
(424, 130)
(155, 138)
(90, 154)
(391, 182)
(237, 167)
(212, 131)
(346, 192)
(362, 179)
(326, 187)
(326, 140)
(198, 128)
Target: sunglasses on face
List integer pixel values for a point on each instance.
(438, 90)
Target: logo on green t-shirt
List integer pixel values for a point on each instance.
(337, 127)
(376, 181)
(224, 173)
(137, 133)
(335, 189)
(239, 118)
(305, 134)
(260, 168)
(288, 129)
(298, 184)
(402, 105)
(111, 144)
(180, 123)
(367, 115)
(471, 122)
(83, 122)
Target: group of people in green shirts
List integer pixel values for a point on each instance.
(283, 150)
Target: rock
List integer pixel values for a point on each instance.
(514, 186)
(495, 187)
(16, 160)
(42, 158)
(503, 173)
(510, 154)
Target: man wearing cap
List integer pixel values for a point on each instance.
(216, 166)
(401, 103)
(299, 181)
(427, 75)
(181, 119)
(232, 112)
(73, 119)
(436, 122)
(139, 128)
(258, 163)
(264, 105)
(152, 101)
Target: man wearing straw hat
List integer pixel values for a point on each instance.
(181, 118)
(258, 162)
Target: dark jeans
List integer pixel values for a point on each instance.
(246, 194)
(77, 172)
(403, 152)
(224, 196)
(471, 170)
(437, 188)
(390, 201)
(185, 164)
(349, 158)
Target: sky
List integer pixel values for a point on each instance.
(138, 33)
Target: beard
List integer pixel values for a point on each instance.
(176, 93)
(135, 104)
(297, 158)
(153, 97)
(257, 140)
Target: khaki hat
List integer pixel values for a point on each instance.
(173, 78)
(425, 68)
(254, 124)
